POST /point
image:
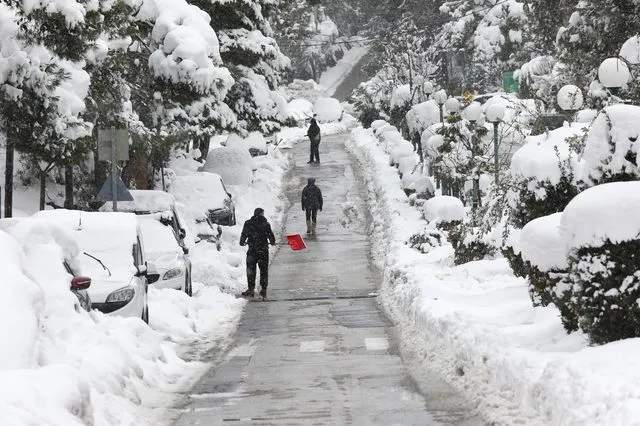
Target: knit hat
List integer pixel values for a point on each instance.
(258, 212)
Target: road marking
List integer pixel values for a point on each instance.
(312, 346)
(376, 343)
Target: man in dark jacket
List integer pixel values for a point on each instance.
(258, 235)
(314, 138)
(311, 203)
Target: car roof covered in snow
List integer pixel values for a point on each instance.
(107, 236)
(31, 231)
(144, 201)
(199, 192)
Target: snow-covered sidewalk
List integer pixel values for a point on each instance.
(334, 76)
(475, 325)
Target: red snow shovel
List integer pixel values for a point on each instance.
(296, 242)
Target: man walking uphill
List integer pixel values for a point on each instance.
(311, 203)
(258, 235)
(314, 138)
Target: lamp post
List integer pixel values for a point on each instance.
(614, 74)
(427, 88)
(440, 97)
(473, 113)
(570, 99)
(452, 105)
(495, 113)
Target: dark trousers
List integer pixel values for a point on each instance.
(314, 151)
(312, 214)
(261, 260)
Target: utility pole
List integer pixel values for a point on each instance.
(114, 169)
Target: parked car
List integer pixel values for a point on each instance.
(113, 255)
(255, 143)
(148, 201)
(34, 235)
(206, 195)
(234, 165)
(173, 266)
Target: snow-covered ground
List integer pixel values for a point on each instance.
(475, 325)
(334, 76)
(90, 368)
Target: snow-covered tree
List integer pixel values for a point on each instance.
(248, 49)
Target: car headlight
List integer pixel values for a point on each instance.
(172, 273)
(122, 295)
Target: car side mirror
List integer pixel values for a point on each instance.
(80, 283)
(151, 268)
(142, 270)
(182, 234)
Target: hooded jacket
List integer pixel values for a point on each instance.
(257, 234)
(311, 197)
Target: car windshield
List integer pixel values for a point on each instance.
(159, 239)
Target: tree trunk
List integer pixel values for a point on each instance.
(8, 177)
(43, 186)
(68, 187)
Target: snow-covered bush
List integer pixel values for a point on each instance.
(545, 255)
(470, 243)
(426, 240)
(421, 116)
(444, 210)
(232, 164)
(611, 149)
(327, 110)
(600, 229)
(542, 172)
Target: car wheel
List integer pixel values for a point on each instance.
(145, 315)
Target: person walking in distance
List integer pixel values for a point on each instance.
(258, 235)
(314, 139)
(311, 203)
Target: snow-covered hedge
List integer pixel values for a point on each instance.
(600, 228)
(543, 175)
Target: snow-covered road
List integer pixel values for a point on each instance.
(321, 351)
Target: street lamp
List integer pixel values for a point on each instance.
(614, 74)
(452, 105)
(440, 97)
(473, 113)
(570, 98)
(427, 88)
(495, 113)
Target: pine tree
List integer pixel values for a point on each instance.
(254, 58)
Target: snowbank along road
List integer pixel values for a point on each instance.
(320, 351)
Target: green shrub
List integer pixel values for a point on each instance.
(468, 244)
(426, 240)
(606, 289)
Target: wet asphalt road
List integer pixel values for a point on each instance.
(320, 351)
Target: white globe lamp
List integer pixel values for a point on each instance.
(427, 88)
(614, 73)
(495, 113)
(630, 50)
(473, 112)
(452, 105)
(570, 98)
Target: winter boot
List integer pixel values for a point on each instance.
(309, 227)
(263, 292)
(313, 228)
(248, 293)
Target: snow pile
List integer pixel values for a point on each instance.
(254, 141)
(299, 109)
(199, 193)
(540, 243)
(144, 201)
(444, 208)
(474, 323)
(232, 164)
(612, 139)
(327, 110)
(607, 212)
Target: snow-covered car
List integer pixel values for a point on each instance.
(44, 238)
(206, 196)
(173, 267)
(114, 257)
(255, 143)
(148, 201)
(233, 165)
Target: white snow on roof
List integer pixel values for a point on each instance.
(199, 193)
(327, 110)
(232, 164)
(107, 236)
(144, 201)
(601, 213)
